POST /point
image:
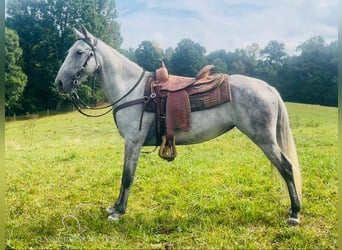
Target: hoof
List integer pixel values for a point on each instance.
(114, 217)
(293, 221)
(110, 210)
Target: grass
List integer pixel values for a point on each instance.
(62, 172)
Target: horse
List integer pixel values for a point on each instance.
(256, 109)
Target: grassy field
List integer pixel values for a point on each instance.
(62, 172)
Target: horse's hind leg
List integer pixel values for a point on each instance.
(285, 168)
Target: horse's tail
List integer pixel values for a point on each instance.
(286, 142)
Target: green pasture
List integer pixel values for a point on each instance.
(62, 172)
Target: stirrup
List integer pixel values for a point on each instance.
(167, 149)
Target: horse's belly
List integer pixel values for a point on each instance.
(206, 125)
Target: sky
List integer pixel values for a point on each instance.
(226, 24)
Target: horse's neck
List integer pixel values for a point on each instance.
(119, 74)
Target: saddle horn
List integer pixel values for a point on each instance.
(162, 74)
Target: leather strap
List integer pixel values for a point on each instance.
(130, 103)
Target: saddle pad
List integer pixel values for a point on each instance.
(177, 111)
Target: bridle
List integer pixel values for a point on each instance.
(77, 100)
(92, 53)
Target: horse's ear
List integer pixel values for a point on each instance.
(85, 32)
(78, 34)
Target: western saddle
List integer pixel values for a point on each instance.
(175, 97)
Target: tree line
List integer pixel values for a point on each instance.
(38, 33)
(310, 76)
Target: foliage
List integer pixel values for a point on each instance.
(315, 73)
(15, 78)
(271, 62)
(169, 52)
(130, 54)
(64, 170)
(148, 55)
(310, 77)
(44, 28)
(188, 58)
(274, 52)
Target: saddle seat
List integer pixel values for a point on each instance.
(174, 83)
(176, 96)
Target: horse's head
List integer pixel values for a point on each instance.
(80, 62)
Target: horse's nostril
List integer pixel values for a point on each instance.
(59, 84)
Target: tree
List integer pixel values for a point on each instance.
(315, 75)
(311, 77)
(130, 54)
(272, 59)
(219, 59)
(169, 52)
(274, 52)
(220, 66)
(148, 55)
(44, 28)
(242, 61)
(188, 58)
(15, 78)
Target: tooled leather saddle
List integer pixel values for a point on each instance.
(175, 97)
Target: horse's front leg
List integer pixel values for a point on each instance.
(132, 151)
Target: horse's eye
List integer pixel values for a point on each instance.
(79, 52)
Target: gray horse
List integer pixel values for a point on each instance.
(256, 109)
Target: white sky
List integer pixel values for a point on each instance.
(226, 24)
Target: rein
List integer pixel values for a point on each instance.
(75, 97)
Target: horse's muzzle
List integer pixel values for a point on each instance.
(64, 87)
